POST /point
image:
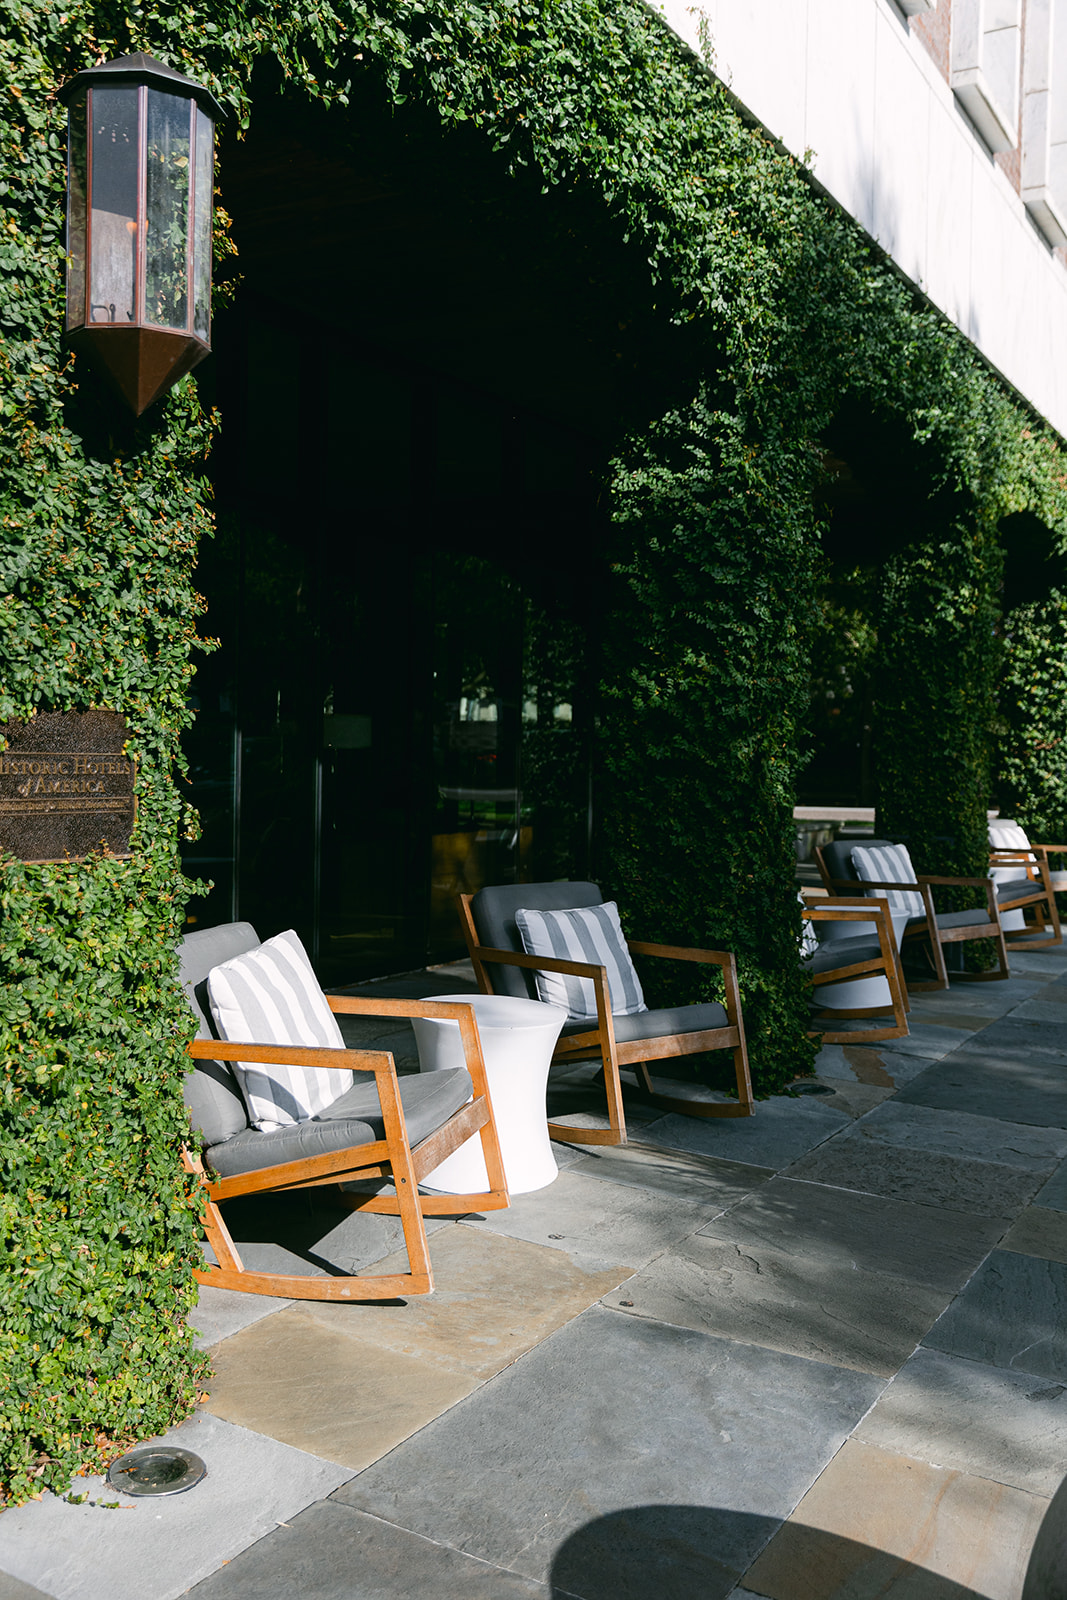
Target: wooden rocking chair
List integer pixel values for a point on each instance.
(383, 1129)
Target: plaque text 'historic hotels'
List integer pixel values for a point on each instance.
(66, 788)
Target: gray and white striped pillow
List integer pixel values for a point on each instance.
(271, 996)
(589, 933)
(889, 863)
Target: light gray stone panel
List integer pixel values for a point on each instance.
(805, 1305)
(609, 1414)
(1012, 1314)
(1007, 1426)
(158, 1547)
(923, 1039)
(1054, 1192)
(600, 1223)
(851, 1233)
(1038, 1231)
(781, 1129)
(219, 1313)
(1032, 1090)
(332, 1552)
(14, 1589)
(935, 1157)
(1015, 1038)
(961, 1133)
(671, 1172)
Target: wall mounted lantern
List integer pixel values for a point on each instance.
(140, 179)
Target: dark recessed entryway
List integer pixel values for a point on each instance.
(425, 368)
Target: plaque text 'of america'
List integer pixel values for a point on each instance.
(66, 786)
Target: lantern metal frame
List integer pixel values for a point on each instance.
(142, 358)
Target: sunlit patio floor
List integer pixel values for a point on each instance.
(820, 1354)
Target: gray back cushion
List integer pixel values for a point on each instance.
(216, 1105)
(838, 856)
(494, 911)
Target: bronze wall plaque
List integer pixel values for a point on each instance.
(66, 788)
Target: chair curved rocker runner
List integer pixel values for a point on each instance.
(1026, 882)
(384, 1128)
(503, 966)
(860, 962)
(846, 865)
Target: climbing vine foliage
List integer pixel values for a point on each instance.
(711, 589)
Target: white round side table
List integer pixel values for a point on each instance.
(518, 1037)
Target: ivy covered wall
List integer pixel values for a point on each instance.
(710, 585)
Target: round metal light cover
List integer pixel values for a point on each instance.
(156, 1469)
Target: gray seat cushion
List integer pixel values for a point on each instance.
(952, 919)
(493, 910)
(842, 953)
(661, 1024)
(428, 1098)
(216, 1105)
(1020, 889)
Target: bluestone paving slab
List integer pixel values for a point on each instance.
(319, 1390)
(613, 1413)
(1053, 994)
(934, 1157)
(284, 1233)
(599, 1222)
(931, 1041)
(1015, 1039)
(804, 1305)
(1047, 964)
(878, 1526)
(14, 1589)
(961, 1021)
(1013, 1314)
(567, 1155)
(670, 1172)
(1033, 1090)
(1007, 1426)
(1054, 1193)
(651, 1550)
(1038, 1231)
(1043, 1008)
(494, 1298)
(856, 1099)
(638, 1115)
(846, 1065)
(156, 1548)
(781, 1129)
(852, 1233)
(220, 1312)
(332, 1552)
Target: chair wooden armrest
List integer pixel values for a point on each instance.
(675, 952)
(355, 1005)
(843, 908)
(969, 883)
(870, 883)
(519, 958)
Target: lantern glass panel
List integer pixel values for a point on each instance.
(113, 239)
(203, 191)
(167, 210)
(76, 214)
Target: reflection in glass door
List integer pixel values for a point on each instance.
(478, 834)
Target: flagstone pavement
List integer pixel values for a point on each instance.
(820, 1354)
